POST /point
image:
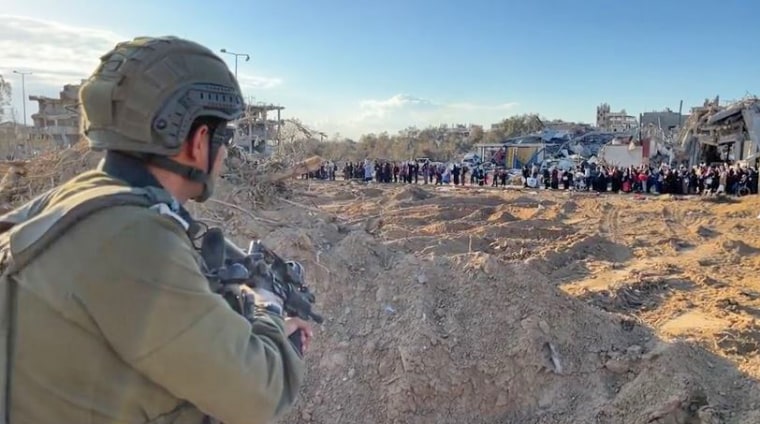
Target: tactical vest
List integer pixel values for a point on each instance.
(28, 230)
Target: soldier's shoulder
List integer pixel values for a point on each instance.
(149, 227)
(139, 243)
(118, 237)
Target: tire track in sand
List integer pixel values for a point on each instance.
(610, 222)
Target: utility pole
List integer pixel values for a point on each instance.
(23, 91)
(247, 58)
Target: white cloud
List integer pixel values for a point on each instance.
(55, 53)
(59, 54)
(404, 110)
(475, 106)
(257, 82)
(382, 109)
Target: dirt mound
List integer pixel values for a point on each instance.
(480, 214)
(347, 195)
(472, 200)
(455, 212)
(567, 260)
(501, 215)
(569, 207)
(530, 202)
(739, 247)
(411, 193)
(644, 266)
(372, 192)
(447, 227)
(449, 340)
(424, 327)
(705, 232)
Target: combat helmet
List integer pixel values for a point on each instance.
(145, 95)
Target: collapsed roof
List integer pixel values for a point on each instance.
(722, 133)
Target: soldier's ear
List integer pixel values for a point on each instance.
(198, 145)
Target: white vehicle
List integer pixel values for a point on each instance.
(472, 160)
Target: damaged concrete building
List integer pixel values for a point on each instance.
(256, 132)
(666, 119)
(715, 133)
(57, 119)
(607, 120)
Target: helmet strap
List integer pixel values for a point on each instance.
(192, 174)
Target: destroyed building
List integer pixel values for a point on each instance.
(715, 133)
(628, 151)
(667, 119)
(256, 131)
(57, 119)
(662, 126)
(607, 120)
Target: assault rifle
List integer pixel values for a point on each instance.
(230, 270)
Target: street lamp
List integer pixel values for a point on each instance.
(23, 91)
(247, 58)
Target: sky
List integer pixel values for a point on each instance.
(353, 67)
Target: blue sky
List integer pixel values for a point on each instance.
(357, 66)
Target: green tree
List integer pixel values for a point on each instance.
(434, 142)
(515, 126)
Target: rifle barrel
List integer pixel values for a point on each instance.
(231, 251)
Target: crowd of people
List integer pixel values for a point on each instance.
(424, 172)
(701, 179)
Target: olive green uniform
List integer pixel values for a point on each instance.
(117, 324)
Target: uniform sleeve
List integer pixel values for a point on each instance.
(155, 308)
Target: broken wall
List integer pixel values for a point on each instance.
(621, 155)
(752, 123)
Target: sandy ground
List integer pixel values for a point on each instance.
(687, 267)
(485, 305)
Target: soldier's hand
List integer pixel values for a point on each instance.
(293, 324)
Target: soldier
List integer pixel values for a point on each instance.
(114, 321)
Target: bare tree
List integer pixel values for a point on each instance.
(296, 140)
(5, 99)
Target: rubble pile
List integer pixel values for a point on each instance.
(716, 133)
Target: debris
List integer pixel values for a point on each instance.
(712, 126)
